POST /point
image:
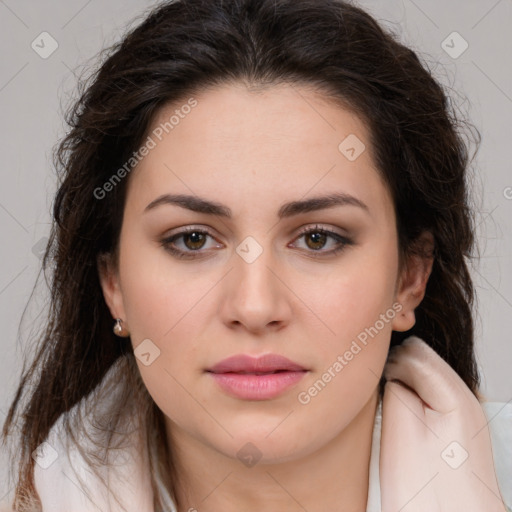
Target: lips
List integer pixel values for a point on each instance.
(262, 378)
(266, 364)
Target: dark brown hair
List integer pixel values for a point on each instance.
(179, 49)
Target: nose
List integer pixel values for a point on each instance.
(256, 297)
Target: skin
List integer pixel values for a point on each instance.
(252, 152)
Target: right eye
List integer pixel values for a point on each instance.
(191, 240)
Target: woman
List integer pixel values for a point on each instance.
(260, 297)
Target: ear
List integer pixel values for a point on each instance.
(109, 280)
(412, 281)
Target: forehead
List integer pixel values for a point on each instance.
(242, 145)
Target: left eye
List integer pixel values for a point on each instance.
(317, 238)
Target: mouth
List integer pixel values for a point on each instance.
(266, 364)
(255, 373)
(264, 378)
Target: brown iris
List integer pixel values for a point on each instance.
(196, 238)
(318, 240)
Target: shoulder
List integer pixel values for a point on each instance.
(64, 479)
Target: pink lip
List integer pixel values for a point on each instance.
(259, 378)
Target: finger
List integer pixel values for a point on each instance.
(418, 366)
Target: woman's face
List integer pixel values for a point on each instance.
(249, 279)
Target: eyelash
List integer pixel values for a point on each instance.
(190, 254)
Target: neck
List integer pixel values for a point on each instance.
(334, 476)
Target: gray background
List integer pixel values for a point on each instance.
(33, 91)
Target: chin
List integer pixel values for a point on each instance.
(280, 446)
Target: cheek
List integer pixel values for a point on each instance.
(359, 309)
(159, 296)
(357, 302)
(159, 303)
(165, 304)
(355, 295)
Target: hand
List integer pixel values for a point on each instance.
(436, 453)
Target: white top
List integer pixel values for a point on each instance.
(60, 490)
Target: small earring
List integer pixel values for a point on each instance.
(119, 330)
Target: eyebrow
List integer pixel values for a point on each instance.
(201, 205)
